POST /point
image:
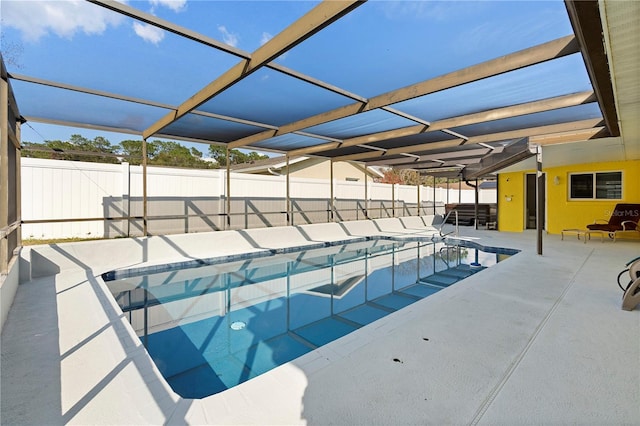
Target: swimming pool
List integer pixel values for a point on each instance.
(211, 325)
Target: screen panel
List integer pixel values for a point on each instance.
(410, 41)
(69, 106)
(271, 97)
(361, 124)
(550, 79)
(212, 129)
(564, 115)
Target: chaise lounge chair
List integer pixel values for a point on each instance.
(624, 218)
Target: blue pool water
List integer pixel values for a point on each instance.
(211, 327)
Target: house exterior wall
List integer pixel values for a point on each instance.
(511, 201)
(563, 213)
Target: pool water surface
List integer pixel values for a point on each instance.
(212, 327)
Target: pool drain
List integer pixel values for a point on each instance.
(238, 325)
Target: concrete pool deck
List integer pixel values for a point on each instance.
(534, 339)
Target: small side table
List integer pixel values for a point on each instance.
(584, 233)
(589, 232)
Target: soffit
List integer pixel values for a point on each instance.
(621, 21)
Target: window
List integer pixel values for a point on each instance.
(596, 186)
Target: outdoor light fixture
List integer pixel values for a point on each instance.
(556, 180)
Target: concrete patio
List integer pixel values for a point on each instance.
(532, 340)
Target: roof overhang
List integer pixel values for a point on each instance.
(513, 153)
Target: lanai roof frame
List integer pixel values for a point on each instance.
(386, 102)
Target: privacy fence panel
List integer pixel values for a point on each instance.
(86, 200)
(59, 191)
(178, 200)
(310, 200)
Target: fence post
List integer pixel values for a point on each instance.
(228, 193)
(332, 206)
(126, 196)
(447, 190)
(5, 256)
(18, 183)
(434, 195)
(366, 202)
(393, 200)
(221, 198)
(288, 197)
(144, 187)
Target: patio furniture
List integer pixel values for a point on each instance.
(631, 296)
(624, 218)
(629, 227)
(584, 233)
(467, 213)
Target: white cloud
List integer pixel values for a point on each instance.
(228, 37)
(175, 5)
(37, 18)
(153, 34)
(265, 38)
(438, 11)
(148, 32)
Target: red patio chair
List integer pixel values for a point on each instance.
(625, 217)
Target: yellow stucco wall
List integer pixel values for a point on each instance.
(561, 212)
(511, 201)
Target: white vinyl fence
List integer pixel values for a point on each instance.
(63, 199)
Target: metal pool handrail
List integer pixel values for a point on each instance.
(444, 222)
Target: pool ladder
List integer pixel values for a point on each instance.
(456, 230)
(445, 254)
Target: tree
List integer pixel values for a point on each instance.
(196, 153)
(161, 153)
(391, 176)
(74, 150)
(219, 153)
(254, 156)
(411, 177)
(174, 154)
(132, 150)
(11, 51)
(164, 154)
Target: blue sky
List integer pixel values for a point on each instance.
(401, 42)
